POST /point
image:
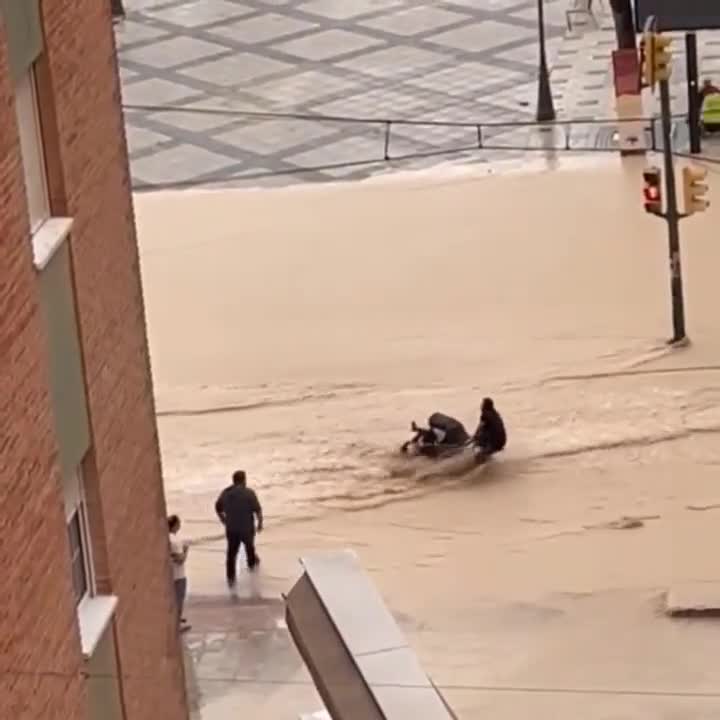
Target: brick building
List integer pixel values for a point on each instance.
(87, 626)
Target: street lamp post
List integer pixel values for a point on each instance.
(545, 109)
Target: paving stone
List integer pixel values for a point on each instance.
(489, 4)
(154, 91)
(415, 20)
(526, 53)
(263, 28)
(139, 138)
(427, 137)
(178, 164)
(358, 148)
(236, 70)
(199, 12)
(134, 6)
(326, 44)
(132, 32)
(394, 60)
(302, 88)
(380, 103)
(192, 121)
(276, 136)
(163, 54)
(127, 76)
(345, 9)
(466, 79)
(478, 36)
(554, 13)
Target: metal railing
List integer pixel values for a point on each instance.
(481, 129)
(555, 136)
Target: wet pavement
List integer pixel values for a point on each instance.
(241, 661)
(601, 654)
(229, 94)
(455, 61)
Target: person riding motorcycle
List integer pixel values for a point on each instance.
(490, 436)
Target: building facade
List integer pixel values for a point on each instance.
(87, 617)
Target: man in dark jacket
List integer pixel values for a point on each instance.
(237, 507)
(490, 436)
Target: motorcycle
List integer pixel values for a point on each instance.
(443, 437)
(452, 439)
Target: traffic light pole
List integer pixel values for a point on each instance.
(693, 90)
(673, 216)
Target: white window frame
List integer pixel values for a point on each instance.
(32, 150)
(95, 612)
(75, 503)
(47, 232)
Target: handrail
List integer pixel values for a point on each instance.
(360, 120)
(485, 138)
(246, 176)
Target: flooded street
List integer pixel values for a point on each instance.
(296, 333)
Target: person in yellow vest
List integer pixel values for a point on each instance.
(710, 107)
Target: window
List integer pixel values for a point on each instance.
(94, 611)
(31, 149)
(78, 539)
(78, 560)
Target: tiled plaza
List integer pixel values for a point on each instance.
(222, 93)
(458, 60)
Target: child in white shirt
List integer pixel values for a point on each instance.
(178, 555)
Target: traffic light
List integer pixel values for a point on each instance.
(662, 60)
(656, 58)
(647, 52)
(652, 190)
(694, 189)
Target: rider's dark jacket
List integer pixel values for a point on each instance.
(491, 434)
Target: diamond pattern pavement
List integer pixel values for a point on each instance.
(460, 60)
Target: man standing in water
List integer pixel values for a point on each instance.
(237, 507)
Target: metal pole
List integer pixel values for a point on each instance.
(673, 219)
(693, 90)
(545, 109)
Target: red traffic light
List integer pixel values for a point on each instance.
(652, 190)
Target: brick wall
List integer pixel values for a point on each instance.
(39, 648)
(81, 61)
(89, 181)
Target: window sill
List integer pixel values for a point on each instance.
(48, 238)
(94, 615)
